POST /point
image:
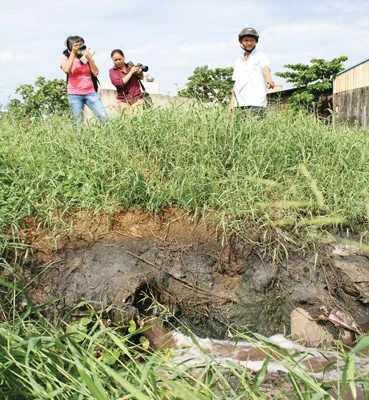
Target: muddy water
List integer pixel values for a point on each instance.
(285, 356)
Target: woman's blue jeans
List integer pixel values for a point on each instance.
(92, 100)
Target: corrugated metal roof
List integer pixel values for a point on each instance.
(354, 66)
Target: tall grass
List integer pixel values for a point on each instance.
(88, 359)
(201, 160)
(284, 170)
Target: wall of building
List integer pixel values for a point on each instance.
(353, 78)
(352, 105)
(109, 100)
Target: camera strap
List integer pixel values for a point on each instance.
(142, 86)
(146, 96)
(95, 81)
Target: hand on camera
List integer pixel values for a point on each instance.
(87, 54)
(136, 69)
(75, 48)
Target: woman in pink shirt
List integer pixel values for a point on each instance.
(126, 79)
(79, 65)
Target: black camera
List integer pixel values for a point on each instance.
(144, 68)
(82, 48)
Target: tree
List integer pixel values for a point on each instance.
(43, 98)
(206, 84)
(312, 81)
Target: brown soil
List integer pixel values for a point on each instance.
(208, 281)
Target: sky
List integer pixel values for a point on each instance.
(174, 37)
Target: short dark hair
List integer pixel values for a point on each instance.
(69, 42)
(119, 51)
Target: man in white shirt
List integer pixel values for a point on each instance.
(251, 74)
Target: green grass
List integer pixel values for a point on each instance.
(88, 359)
(288, 168)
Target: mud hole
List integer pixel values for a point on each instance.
(207, 282)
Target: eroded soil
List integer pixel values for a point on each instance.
(207, 281)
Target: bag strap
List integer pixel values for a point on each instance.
(143, 87)
(95, 81)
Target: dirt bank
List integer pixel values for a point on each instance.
(208, 282)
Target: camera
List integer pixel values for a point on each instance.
(144, 68)
(82, 48)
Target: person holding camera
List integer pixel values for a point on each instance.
(126, 78)
(252, 76)
(81, 72)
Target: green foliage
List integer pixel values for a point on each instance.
(43, 98)
(285, 170)
(43, 359)
(312, 80)
(350, 376)
(209, 85)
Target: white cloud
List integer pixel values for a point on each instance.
(10, 57)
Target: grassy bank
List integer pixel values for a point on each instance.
(285, 170)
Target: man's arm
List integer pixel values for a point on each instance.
(268, 76)
(231, 106)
